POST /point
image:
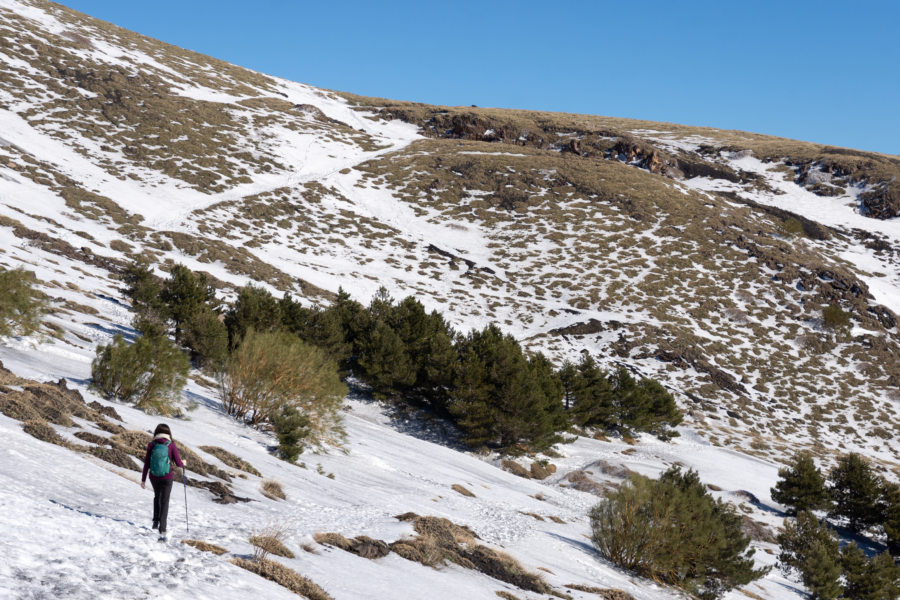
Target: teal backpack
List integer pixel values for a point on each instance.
(159, 459)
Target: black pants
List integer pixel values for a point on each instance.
(162, 489)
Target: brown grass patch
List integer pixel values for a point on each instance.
(91, 438)
(440, 540)
(272, 489)
(233, 461)
(515, 468)
(205, 546)
(607, 593)
(556, 519)
(361, 545)
(462, 490)
(283, 576)
(540, 470)
(269, 544)
(44, 432)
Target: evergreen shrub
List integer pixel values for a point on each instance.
(801, 486)
(673, 531)
(856, 492)
(21, 306)
(150, 372)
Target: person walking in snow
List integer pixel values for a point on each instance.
(161, 453)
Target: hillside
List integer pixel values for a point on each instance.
(703, 258)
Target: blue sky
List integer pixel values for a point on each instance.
(827, 72)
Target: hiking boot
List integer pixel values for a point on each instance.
(163, 536)
(155, 524)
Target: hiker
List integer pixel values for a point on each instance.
(161, 453)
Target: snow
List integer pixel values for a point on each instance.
(75, 527)
(840, 212)
(92, 538)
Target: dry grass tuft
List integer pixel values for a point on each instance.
(462, 490)
(270, 540)
(361, 545)
(235, 462)
(515, 468)
(333, 539)
(542, 470)
(607, 593)
(556, 519)
(269, 544)
(506, 595)
(44, 432)
(284, 577)
(440, 540)
(272, 489)
(205, 546)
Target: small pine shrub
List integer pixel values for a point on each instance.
(811, 549)
(801, 486)
(21, 306)
(856, 492)
(673, 531)
(150, 372)
(207, 337)
(291, 428)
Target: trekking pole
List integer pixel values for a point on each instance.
(184, 482)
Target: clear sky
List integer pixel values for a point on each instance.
(823, 71)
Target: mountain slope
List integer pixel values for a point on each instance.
(700, 257)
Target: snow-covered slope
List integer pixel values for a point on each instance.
(77, 527)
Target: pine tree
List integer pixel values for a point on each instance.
(428, 341)
(22, 307)
(567, 375)
(150, 372)
(319, 327)
(501, 397)
(629, 403)
(661, 411)
(144, 289)
(470, 403)
(674, 531)
(869, 578)
(385, 364)
(185, 293)
(255, 308)
(810, 548)
(855, 489)
(890, 515)
(801, 486)
(291, 428)
(594, 396)
(207, 337)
